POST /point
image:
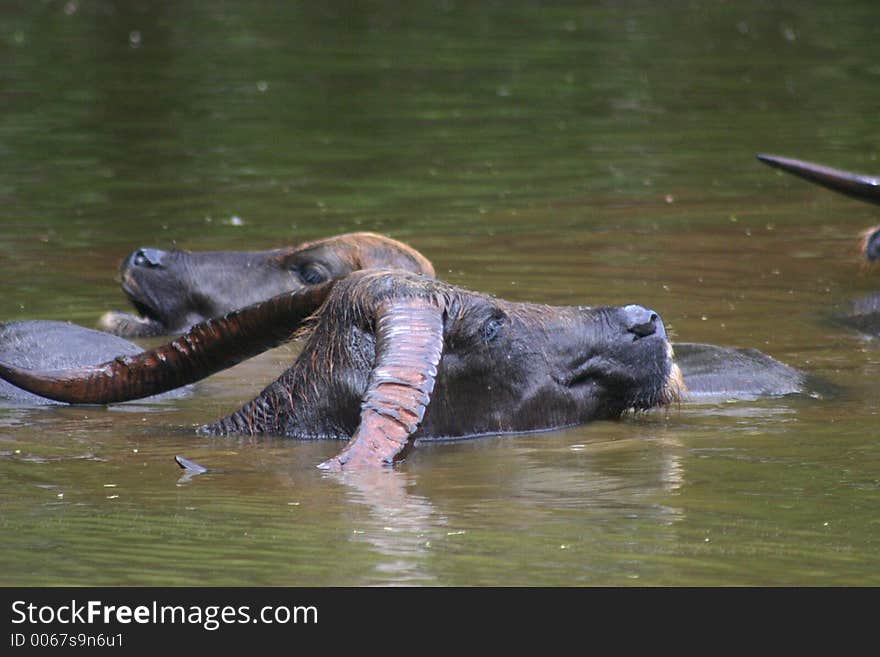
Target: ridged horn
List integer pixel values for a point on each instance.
(409, 343)
(855, 185)
(206, 348)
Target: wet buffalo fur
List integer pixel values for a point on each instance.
(174, 290)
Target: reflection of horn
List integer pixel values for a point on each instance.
(409, 343)
(856, 185)
(399, 527)
(207, 348)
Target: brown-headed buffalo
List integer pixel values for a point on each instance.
(173, 290)
(392, 356)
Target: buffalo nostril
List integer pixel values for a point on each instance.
(147, 258)
(641, 321)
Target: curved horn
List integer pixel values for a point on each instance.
(409, 343)
(206, 348)
(856, 185)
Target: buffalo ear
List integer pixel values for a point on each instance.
(409, 344)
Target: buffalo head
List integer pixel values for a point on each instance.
(392, 356)
(173, 290)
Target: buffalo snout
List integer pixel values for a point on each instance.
(642, 322)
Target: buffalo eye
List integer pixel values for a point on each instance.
(312, 275)
(492, 327)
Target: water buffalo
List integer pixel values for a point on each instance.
(173, 290)
(169, 286)
(176, 289)
(392, 356)
(862, 314)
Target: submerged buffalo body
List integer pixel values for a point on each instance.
(173, 290)
(42, 344)
(862, 314)
(390, 357)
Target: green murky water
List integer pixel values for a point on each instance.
(570, 152)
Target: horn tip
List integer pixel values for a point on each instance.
(771, 160)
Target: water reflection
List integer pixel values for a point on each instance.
(638, 474)
(421, 521)
(400, 527)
